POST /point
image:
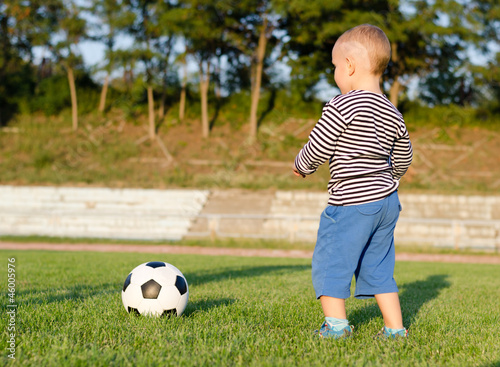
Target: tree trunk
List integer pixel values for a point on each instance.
(74, 103)
(104, 92)
(257, 80)
(217, 86)
(396, 85)
(204, 82)
(182, 102)
(161, 107)
(151, 113)
(394, 92)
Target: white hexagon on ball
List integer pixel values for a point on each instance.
(155, 288)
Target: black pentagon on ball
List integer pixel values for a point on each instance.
(155, 264)
(150, 289)
(169, 313)
(134, 311)
(127, 282)
(181, 285)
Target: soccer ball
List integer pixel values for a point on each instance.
(156, 289)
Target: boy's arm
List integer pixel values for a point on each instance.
(401, 156)
(321, 144)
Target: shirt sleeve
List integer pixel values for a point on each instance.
(322, 140)
(401, 155)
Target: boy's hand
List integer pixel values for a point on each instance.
(297, 173)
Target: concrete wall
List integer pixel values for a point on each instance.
(99, 212)
(438, 220)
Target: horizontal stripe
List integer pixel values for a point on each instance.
(365, 140)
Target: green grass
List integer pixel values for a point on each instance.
(242, 311)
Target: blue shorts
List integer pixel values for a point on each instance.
(356, 240)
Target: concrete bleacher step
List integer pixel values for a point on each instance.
(440, 220)
(148, 228)
(96, 198)
(299, 203)
(237, 204)
(99, 212)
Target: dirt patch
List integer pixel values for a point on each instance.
(220, 251)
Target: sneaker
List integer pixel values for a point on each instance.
(384, 334)
(326, 332)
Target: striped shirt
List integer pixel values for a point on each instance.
(365, 139)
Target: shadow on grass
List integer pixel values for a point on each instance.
(77, 292)
(200, 278)
(80, 292)
(242, 272)
(205, 305)
(412, 296)
(492, 364)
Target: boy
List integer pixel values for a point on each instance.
(364, 138)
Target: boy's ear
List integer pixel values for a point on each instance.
(351, 67)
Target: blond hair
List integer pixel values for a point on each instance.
(376, 43)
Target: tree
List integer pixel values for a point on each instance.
(30, 23)
(447, 84)
(416, 50)
(236, 32)
(111, 21)
(457, 76)
(23, 25)
(487, 82)
(203, 24)
(12, 66)
(253, 31)
(38, 23)
(164, 47)
(152, 46)
(312, 28)
(182, 100)
(72, 29)
(419, 31)
(142, 29)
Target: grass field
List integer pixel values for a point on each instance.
(242, 311)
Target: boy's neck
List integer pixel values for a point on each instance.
(368, 84)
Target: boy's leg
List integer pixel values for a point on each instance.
(391, 310)
(375, 271)
(336, 325)
(333, 307)
(374, 275)
(343, 233)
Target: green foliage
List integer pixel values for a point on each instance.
(418, 115)
(88, 93)
(429, 41)
(243, 312)
(17, 83)
(51, 95)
